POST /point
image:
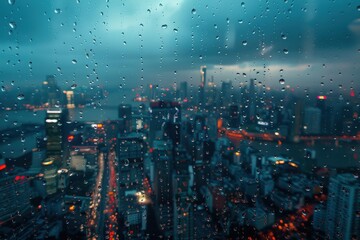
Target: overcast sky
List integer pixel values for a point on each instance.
(133, 42)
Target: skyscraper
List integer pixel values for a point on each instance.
(343, 208)
(54, 128)
(183, 91)
(252, 101)
(160, 113)
(125, 116)
(234, 116)
(202, 98)
(51, 92)
(312, 120)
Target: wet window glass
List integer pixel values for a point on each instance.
(179, 119)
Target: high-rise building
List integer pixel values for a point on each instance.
(343, 208)
(54, 129)
(163, 168)
(225, 98)
(131, 151)
(51, 93)
(183, 91)
(15, 194)
(125, 116)
(160, 113)
(202, 98)
(297, 121)
(70, 99)
(183, 206)
(312, 120)
(234, 116)
(252, 101)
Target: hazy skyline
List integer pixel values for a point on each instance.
(134, 42)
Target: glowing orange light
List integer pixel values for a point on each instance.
(70, 138)
(321, 97)
(72, 208)
(99, 125)
(219, 123)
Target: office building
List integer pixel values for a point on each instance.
(160, 113)
(15, 195)
(343, 208)
(125, 117)
(234, 116)
(202, 97)
(312, 120)
(54, 129)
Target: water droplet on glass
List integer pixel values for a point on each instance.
(149, 11)
(12, 25)
(286, 51)
(193, 11)
(73, 86)
(282, 81)
(126, 162)
(283, 36)
(358, 8)
(243, 4)
(164, 26)
(3, 89)
(74, 61)
(200, 57)
(353, 148)
(11, 2)
(57, 11)
(20, 97)
(244, 74)
(175, 30)
(59, 69)
(124, 42)
(244, 43)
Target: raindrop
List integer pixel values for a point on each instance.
(124, 42)
(217, 37)
(11, 2)
(164, 26)
(126, 162)
(175, 30)
(353, 148)
(149, 11)
(200, 57)
(286, 51)
(73, 86)
(74, 61)
(20, 97)
(3, 89)
(193, 11)
(59, 69)
(243, 4)
(244, 43)
(57, 11)
(283, 36)
(12, 25)
(358, 8)
(282, 81)
(244, 74)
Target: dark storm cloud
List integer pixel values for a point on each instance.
(144, 41)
